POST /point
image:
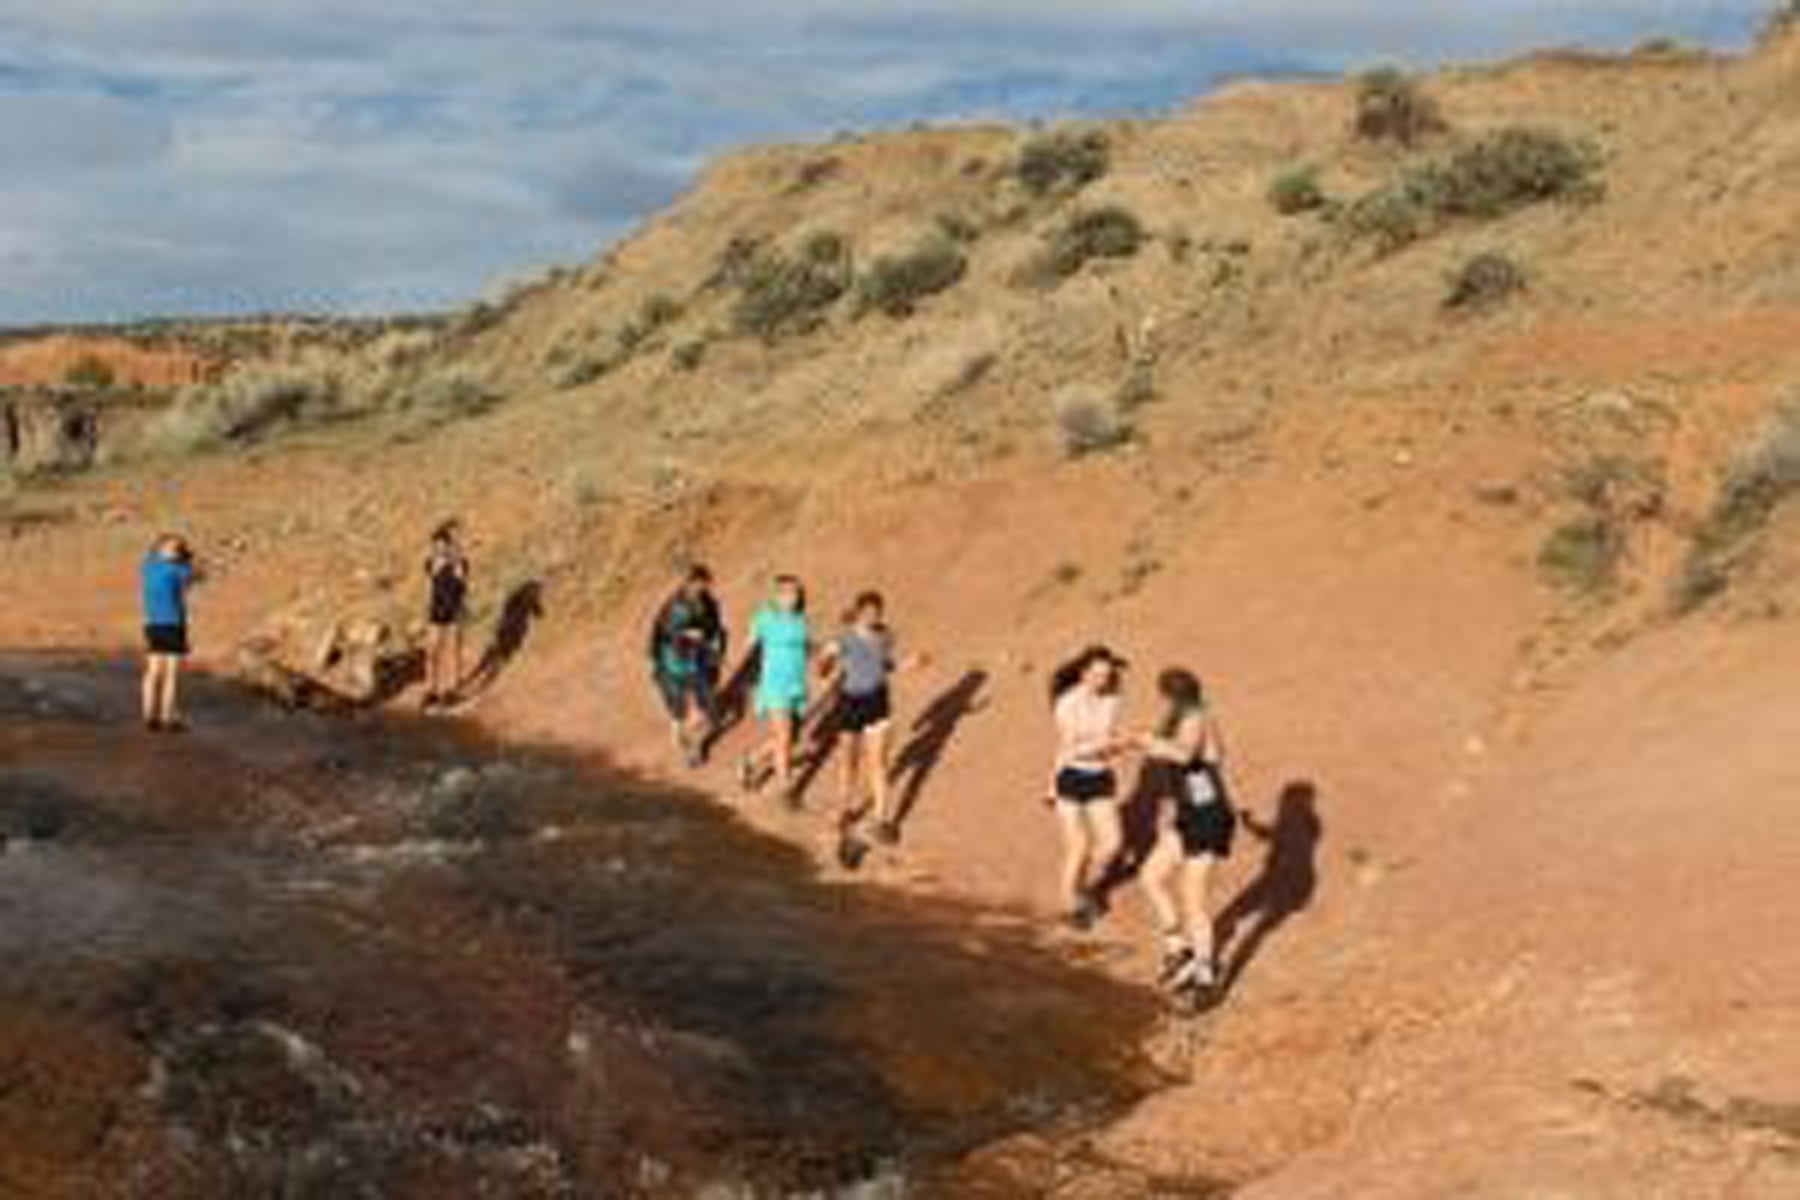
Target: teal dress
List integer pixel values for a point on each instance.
(785, 639)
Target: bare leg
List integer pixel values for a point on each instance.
(1109, 834)
(1076, 841)
(782, 727)
(150, 692)
(434, 662)
(877, 746)
(854, 747)
(168, 677)
(454, 675)
(1159, 871)
(1196, 888)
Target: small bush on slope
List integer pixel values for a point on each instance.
(1483, 281)
(246, 404)
(1391, 107)
(1062, 161)
(1762, 476)
(1497, 174)
(1297, 190)
(1109, 232)
(784, 295)
(896, 284)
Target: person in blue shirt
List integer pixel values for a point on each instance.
(784, 642)
(168, 571)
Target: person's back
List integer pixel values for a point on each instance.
(164, 580)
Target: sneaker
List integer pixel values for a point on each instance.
(1197, 973)
(1082, 917)
(1176, 964)
(851, 850)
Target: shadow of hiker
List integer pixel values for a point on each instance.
(1138, 815)
(731, 701)
(522, 609)
(932, 732)
(815, 740)
(394, 674)
(1282, 889)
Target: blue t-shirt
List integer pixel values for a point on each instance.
(784, 638)
(165, 590)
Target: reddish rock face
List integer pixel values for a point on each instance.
(47, 362)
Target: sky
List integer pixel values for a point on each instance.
(162, 157)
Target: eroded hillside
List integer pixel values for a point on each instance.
(1504, 586)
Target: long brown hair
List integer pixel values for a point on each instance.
(1067, 676)
(1186, 696)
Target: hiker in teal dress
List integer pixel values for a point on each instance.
(784, 642)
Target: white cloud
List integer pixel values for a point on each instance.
(219, 154)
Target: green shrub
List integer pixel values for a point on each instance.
(782, 296)
(582, 371)
(451, 394)
(896, 284)
(1391, 217)
(1583, 554)
(1066, 160)
(1507, 170)
(1089, 422)
(1484, 280)
(736, 261)
(1297, 190)
(1390, 107)
(689, 355)
(1491, 177)
(1109, 232)
(247, 404)
(90, 373)
(1762, 476)
(957, 228)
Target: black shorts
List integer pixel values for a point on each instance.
(1204, 817)
(166, 639)
(446, 611)
(679, 692)
(1206, 829)
(1077, 786)
(858, 713)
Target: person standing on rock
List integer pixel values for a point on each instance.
(447, 582)
(1084, 693)
(687, 646)
(783, 640)
(168, 571)
(863, 659)
(1195, 826)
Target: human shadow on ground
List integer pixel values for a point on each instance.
(1138, 814)
(731, 702)
(931, 733)
(521, 611)
(1282, 889)
(816, 738)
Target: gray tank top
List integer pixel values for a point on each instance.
(867, 661)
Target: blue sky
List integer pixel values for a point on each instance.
(216, 156)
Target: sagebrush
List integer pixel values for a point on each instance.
(897, 284)
(1066, 160)
(1391, 107)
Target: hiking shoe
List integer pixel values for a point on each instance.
(1082, 917)
(1175, 965)
(1196, 973)
(851, 851)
